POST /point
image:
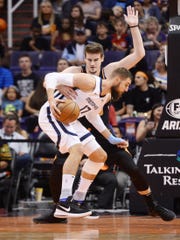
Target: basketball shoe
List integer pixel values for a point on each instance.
(71, 208)
(164, 213)
(93, 215)
(49, 218)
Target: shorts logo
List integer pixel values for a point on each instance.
(173, 108)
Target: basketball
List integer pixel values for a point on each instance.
(3, 25)
(69, 111)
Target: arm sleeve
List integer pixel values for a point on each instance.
(96, 121)
(52, 80)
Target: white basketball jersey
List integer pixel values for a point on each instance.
(89, 101)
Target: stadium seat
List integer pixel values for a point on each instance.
(151, 57)
(112, 56)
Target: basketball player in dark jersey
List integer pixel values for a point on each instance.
(94, 58)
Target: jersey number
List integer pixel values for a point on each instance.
(85, 109)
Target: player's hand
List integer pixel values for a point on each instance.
(124, 144)
(132, 16)
(68, 92)
(117, 141)
(53, 103)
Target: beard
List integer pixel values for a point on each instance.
(115, 95)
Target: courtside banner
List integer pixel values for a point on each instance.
(169, 125)
(159, 161)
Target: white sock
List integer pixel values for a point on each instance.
(80, 193)
(67, 183)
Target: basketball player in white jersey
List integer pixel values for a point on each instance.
(94, 57)
(92, 94)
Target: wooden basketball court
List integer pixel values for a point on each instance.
(121, 227)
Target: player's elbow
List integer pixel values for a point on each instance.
(50, 80)
(49, 76)
(142, 54)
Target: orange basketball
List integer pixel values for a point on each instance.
(3, 25)
(69, 111)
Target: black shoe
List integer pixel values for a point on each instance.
(49, 218)
(71, 208)
(93, 215)
(164, 213)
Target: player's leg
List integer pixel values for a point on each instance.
(126, 163)
(67, 140)
(96, 158)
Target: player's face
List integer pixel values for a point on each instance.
(123, 86)
(120, 87)
(93, 63)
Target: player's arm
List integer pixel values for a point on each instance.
(52, 81)
(69, 92)
(83, 81)
(138, 52)
(97, 122)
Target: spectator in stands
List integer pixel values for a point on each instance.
(6, 78)
(108, 17)
(5, 177)
(160, 76)
(36, 41)
(74, 52)
(92, 12)
(118, 12)
(151, 9)
(35, 100)
(60, 39)
(77, 19)
(2, 45)
(164, 21)
(19, 128)
(58, 7)
(121, 40)
(148, 126)
(49, 21)
(153, 37)
(62, 64)
(138, 5)
(120, 108)
(11, 101)
(26, 81)
(1, 4)
(102, 36)
(8, 131)
(142, 97)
